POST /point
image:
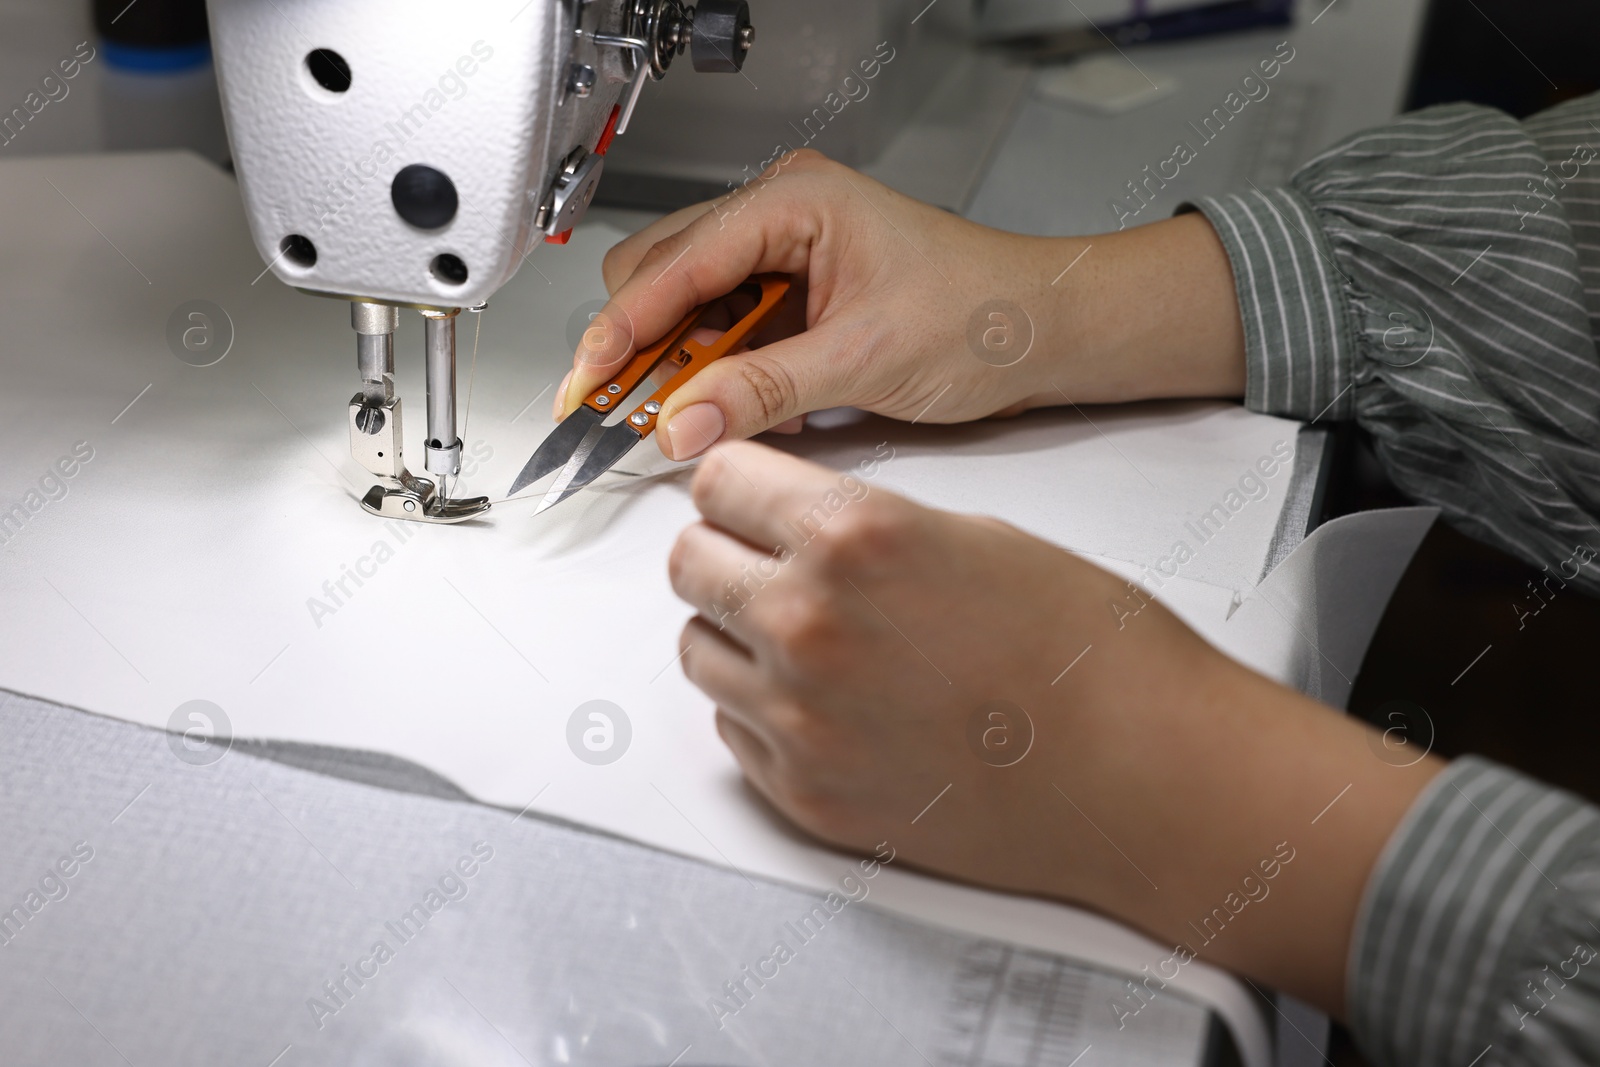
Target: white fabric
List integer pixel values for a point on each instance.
(180, 562)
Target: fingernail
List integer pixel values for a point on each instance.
(561, 396)
(693, 430)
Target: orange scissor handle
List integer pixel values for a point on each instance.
(691, 356)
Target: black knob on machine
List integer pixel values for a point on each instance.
(722, 36)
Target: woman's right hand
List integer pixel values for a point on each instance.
(899, 308)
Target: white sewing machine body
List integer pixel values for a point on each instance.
(408, 153)
(466, 89)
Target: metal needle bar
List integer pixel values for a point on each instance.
(443, 446)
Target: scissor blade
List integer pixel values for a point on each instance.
(562, 444)
(558, 489)
(600, 453)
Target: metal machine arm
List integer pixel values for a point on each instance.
(411, 154)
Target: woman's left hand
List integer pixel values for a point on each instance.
(870, 657)
(1001, 712)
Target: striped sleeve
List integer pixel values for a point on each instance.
(1478, 940)
(1438, 280)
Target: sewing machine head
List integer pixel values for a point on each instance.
(411, 153)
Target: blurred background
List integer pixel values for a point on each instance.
(152, 84)
(1517, 55)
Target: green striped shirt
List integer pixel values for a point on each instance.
(1438, 280)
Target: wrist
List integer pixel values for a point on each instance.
(1140, 314)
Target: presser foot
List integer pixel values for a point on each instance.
(417, 500)
(377, 436)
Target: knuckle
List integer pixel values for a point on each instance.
(678, 563)
(685, 643)
(693, 669)
(815, 806)
(809, 736)
(747, 746)
(707, 477)
(770, 385)
(804, 629)
(662, 254)
(863, 536)
(808, 159)
(614, 267)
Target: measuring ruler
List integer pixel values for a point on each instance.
(1010, 1007)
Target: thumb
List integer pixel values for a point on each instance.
(744, 394)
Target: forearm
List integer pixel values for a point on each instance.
(1145, 313)
(1258, 813)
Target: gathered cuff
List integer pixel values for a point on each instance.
(1299, 342)
(1480, 927)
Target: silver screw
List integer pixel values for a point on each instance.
(652, 407)
(411, 505)
(580, 80)
(613, 388)
(369, 420)
(602, 400)
(747, 38)
(638, 418)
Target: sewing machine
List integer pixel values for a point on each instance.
(410, 154)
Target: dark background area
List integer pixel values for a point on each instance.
(1517, 55)
(1521, 691)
